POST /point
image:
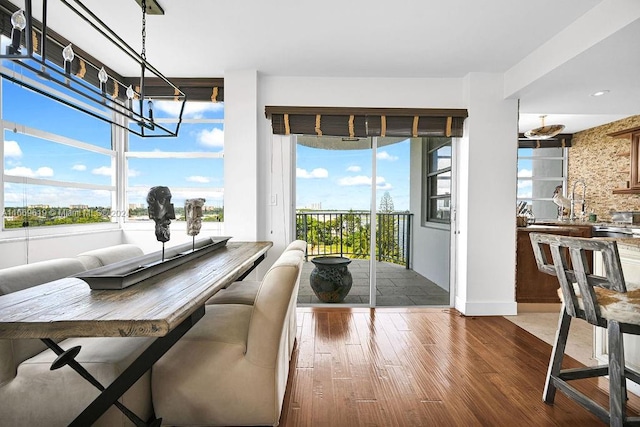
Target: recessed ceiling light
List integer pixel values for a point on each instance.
(600, 93)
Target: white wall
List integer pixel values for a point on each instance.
(241, 197)
(430, 250)
(25, 246)
(275, 152)
(258, 171)
(143, 234)
(486, 240)
(486, 285)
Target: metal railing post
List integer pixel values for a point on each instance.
(407, 242)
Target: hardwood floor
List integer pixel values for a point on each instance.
(422, 367)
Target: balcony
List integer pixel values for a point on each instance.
(348, 234)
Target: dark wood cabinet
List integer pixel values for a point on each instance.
(634, 174)
(532, 286)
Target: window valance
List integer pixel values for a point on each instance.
(364, 122)
(562, 140)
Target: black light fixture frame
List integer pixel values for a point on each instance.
(122, 111)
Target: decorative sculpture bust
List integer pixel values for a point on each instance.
(161, 211)
(193, 214)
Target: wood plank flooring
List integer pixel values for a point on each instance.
(422, 367)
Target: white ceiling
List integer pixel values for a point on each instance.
(553, 53)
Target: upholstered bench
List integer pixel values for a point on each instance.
(33, 395)
(232, 367)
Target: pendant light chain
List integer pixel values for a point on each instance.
(143, 54)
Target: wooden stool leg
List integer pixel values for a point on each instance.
(617, 383)
(557, 354)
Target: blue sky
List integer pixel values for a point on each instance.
(342, 179)
(525, 187)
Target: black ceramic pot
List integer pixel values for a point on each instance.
(331, 279)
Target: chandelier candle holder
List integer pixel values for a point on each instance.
(44, 62)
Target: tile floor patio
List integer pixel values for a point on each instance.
(397, 286)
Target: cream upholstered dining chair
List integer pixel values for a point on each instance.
(245, 291)
(603, 301)
(231, 368)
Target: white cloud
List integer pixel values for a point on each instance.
(44, 171)
(28, 172)
(12, 149)
(525, 184)
(383, 155)
(354, 169)
(196, 178)
(349, 181)
(103, 170)
(132, 173)
(362, 180)
(211, 138)
(79, 168)
(316, 173)
(524, 173)
(193, 110)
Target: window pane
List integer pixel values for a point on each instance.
(38, 111)
(435, 142)
(542, 209)
(525, 188)
(213, 209)
(540, 168)
(186, 178)
(208, 137)
(33, 157)
(540, 171)
(440, 159)
(440, 184)
(42, 205)
(193, 137)
(439, 210)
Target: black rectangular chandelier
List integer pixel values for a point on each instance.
(44, 62)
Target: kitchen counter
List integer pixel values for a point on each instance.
(541, 228)
(629, 243)
(533, 286)
(587, 223)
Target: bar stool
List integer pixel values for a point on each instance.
(602, 301)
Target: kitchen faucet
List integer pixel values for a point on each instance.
(583, 206)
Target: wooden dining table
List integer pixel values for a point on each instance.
(164, 306)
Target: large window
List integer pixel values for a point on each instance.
(540, 171)
(61, 166)
(191, 165)
(58, 164)
(436, 180)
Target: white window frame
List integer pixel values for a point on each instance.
(425, 219)
(565, 169)
(58, 139)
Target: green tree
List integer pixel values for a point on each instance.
(386, 203)
(387, 229)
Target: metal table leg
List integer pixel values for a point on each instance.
(131, 374)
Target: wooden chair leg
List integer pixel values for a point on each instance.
(617, 382)
(557, 354)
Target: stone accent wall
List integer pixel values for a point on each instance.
(603, 163)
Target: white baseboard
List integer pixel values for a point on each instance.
(486, 308)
